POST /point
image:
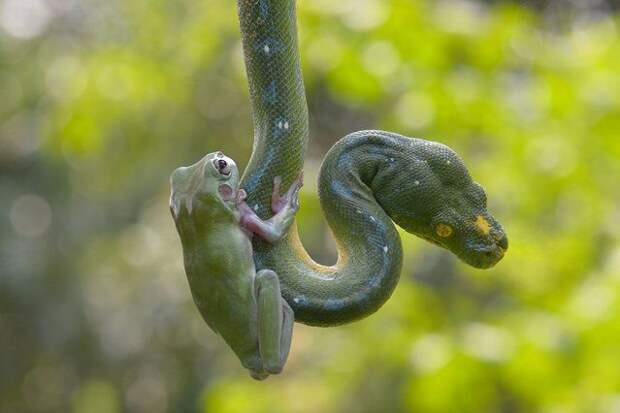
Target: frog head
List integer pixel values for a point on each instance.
(212, 181)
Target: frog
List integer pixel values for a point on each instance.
(216, 225)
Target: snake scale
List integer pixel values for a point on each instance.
(368, 180)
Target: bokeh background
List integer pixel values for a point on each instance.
(101, 100)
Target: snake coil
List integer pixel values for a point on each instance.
(367, 180)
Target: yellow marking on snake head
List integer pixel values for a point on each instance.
(443, 230)
(483, 225)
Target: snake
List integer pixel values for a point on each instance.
(368, 181)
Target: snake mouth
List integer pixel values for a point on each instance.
(487, 255)
(483, 255)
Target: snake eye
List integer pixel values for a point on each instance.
(222, 167)
(443, 230)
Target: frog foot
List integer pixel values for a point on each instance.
(290, 199)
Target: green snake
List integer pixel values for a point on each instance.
(368, 180)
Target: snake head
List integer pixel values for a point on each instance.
(437, 200)
(464, 226)
(211, 181)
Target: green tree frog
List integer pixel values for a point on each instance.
(215, 225)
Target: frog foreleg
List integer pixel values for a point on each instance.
(284, 206)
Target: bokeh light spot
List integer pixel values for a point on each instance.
(487, 342)
(415, 110)
(24, 18)
(430, 352)
(30, 216)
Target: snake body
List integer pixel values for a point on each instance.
(367, 180)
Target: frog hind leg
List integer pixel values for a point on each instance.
(275, 324)
(258, 374)
(288, 320)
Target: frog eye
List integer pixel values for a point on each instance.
(222, 167)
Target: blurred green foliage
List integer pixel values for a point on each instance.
(101, 100)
